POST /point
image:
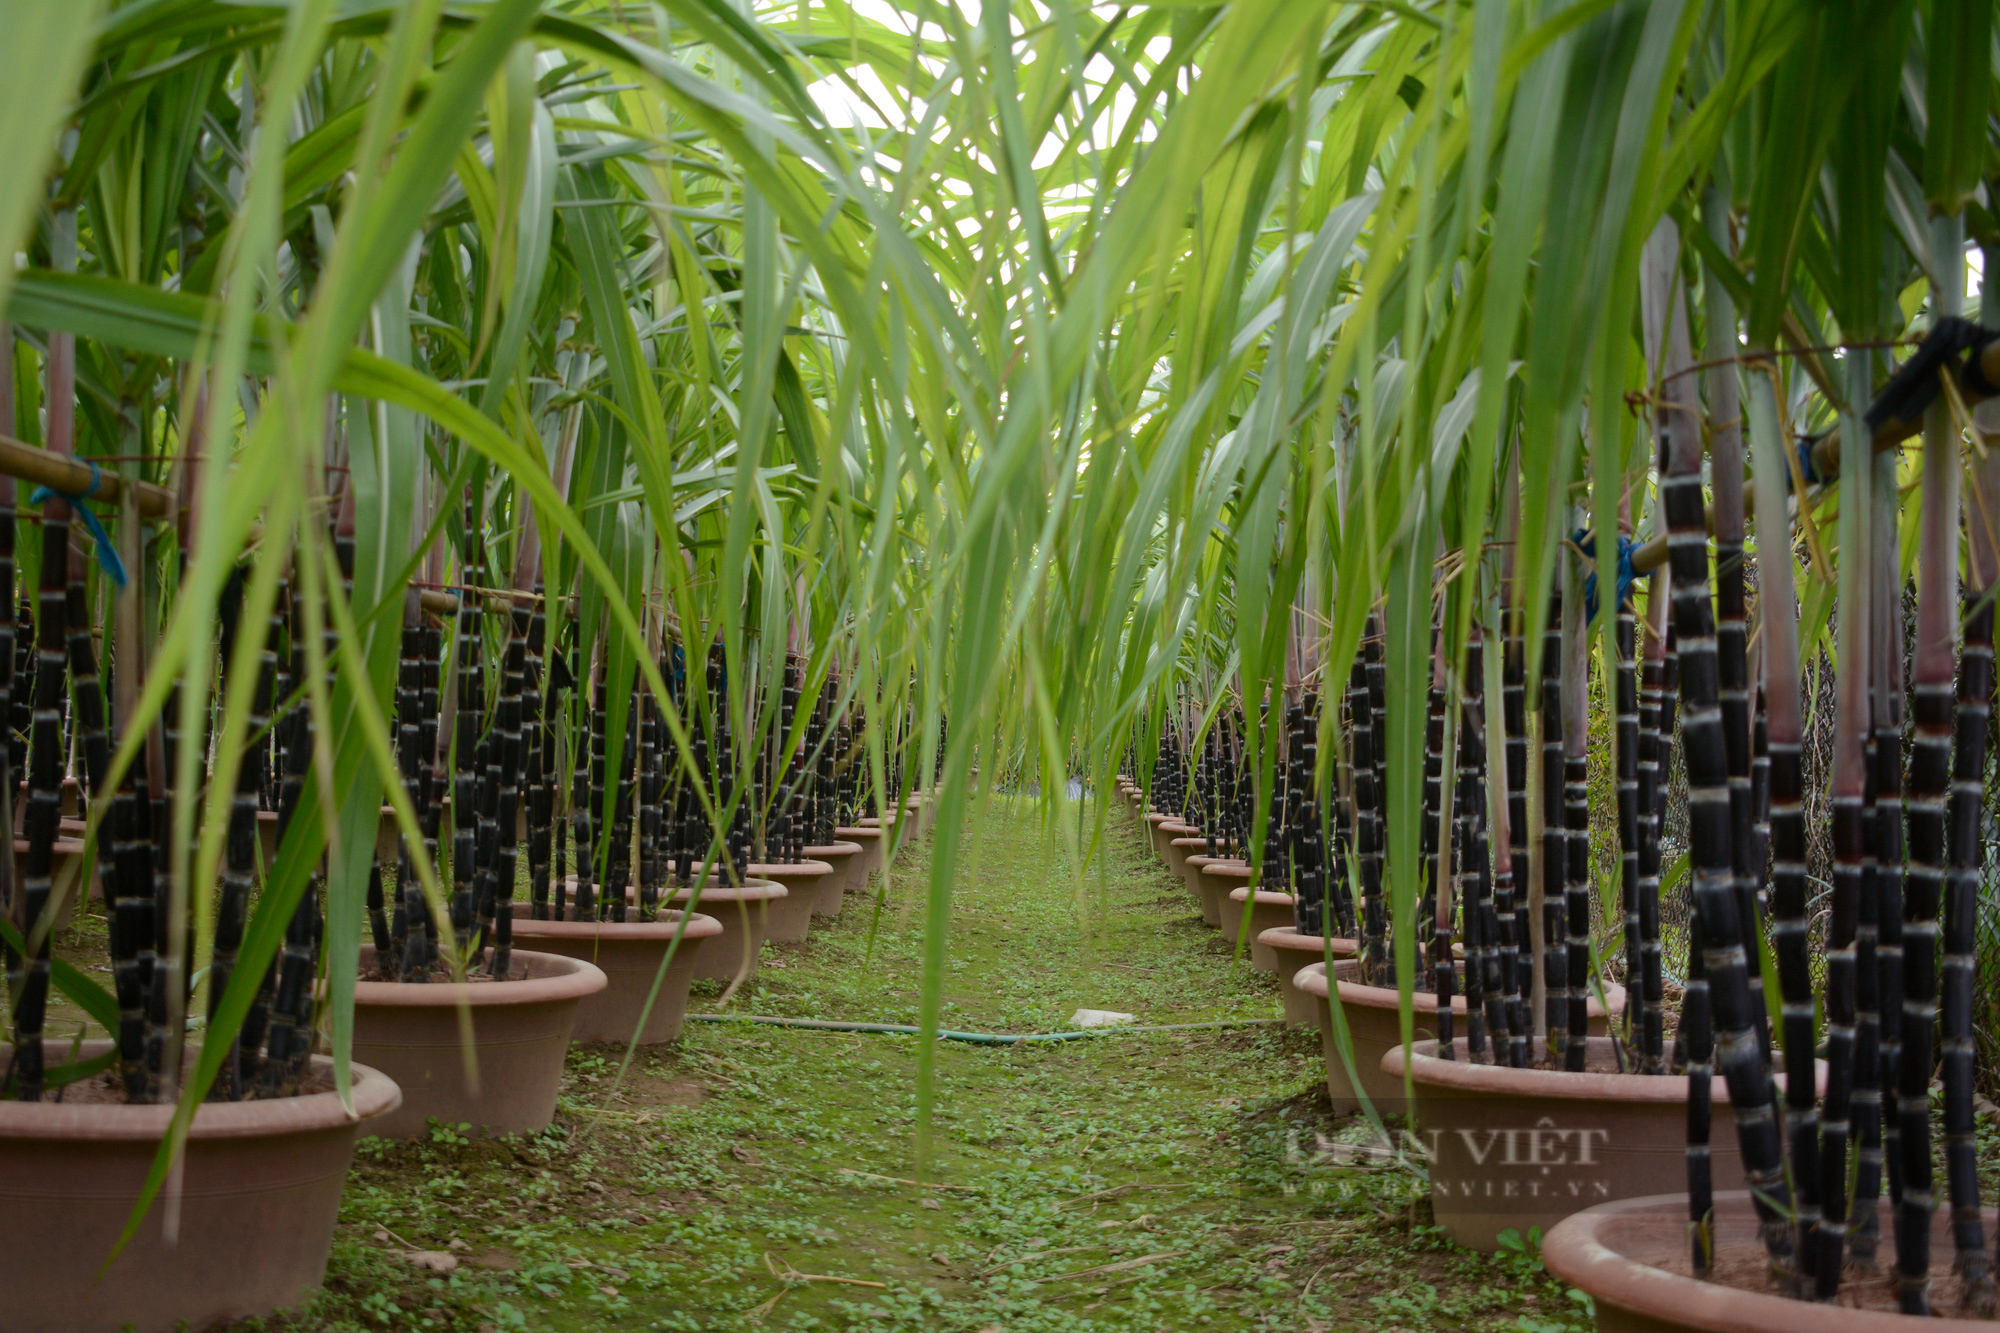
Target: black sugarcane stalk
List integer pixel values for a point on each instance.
(410, 927)
(1514, 724)
(1625, 701)
(1576, 821)
(1698, 1034)
(465, 772)
(1881, 908)
(652, 788)
(1844, 1071)
(1430, 843)
(1711, 858)
(1961, 922)
(430, 782)
(133, 929)
(541, 795)
(44, 812)
(619, 867)
(507, 729)
(1790, 943)
(1555, 841)
(1482, 959)
(290, 1009)
(1367, 833)
(1512, 1028)
(592, 894)
(240, 851)
(1651, 778)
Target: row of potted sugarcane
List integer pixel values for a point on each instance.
(1596, 1162)
(246, 1228)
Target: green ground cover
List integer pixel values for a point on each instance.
(759, 1178)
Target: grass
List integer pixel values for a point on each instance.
(759, 1178)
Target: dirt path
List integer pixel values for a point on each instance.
(758, 1178)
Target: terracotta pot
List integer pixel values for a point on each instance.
(896, 831)
(1155, 823)
(260, 1192)
(745, 915)
(845, 858)
(791, 915)
(1179, 853)
(71, 808)
(520, 1032)
(1618, 1253)
(1373, 1026)
(267, 837)
(66, 872)
(869, 839)
(1291, 951)
(1220, 878)
(1526, 1148)
(629, 953)
(1270, 911)
(1177, 830)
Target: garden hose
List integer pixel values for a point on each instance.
(976, 1038)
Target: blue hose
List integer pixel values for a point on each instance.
(976, 1038)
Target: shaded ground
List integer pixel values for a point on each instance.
(761, 1178)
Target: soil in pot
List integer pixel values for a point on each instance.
(1631, 1256)
(745, 916)
(845, 858)
(260, 1193)
(1220, 878)
(629, 953)
(1291, 951)
(1525, 1148)
(520, 1032)
(1374, 1027)
(1270, 911)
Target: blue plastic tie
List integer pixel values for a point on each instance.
(1808, 470)
(107, 554)
(1587, 543)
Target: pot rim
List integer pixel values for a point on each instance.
(1293, 940)
(61, 847)
(1196, 841)
(854, 832)
(567, 979)
(700, 926)
(1427, 1070)
(1171, 824)
(1265, 897)
(751, 890)
(1159, 817)
(824, 851)
(783, 870)
(375, 1093)
(1233, 868)
(1312, 980)
(1575, 1254)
